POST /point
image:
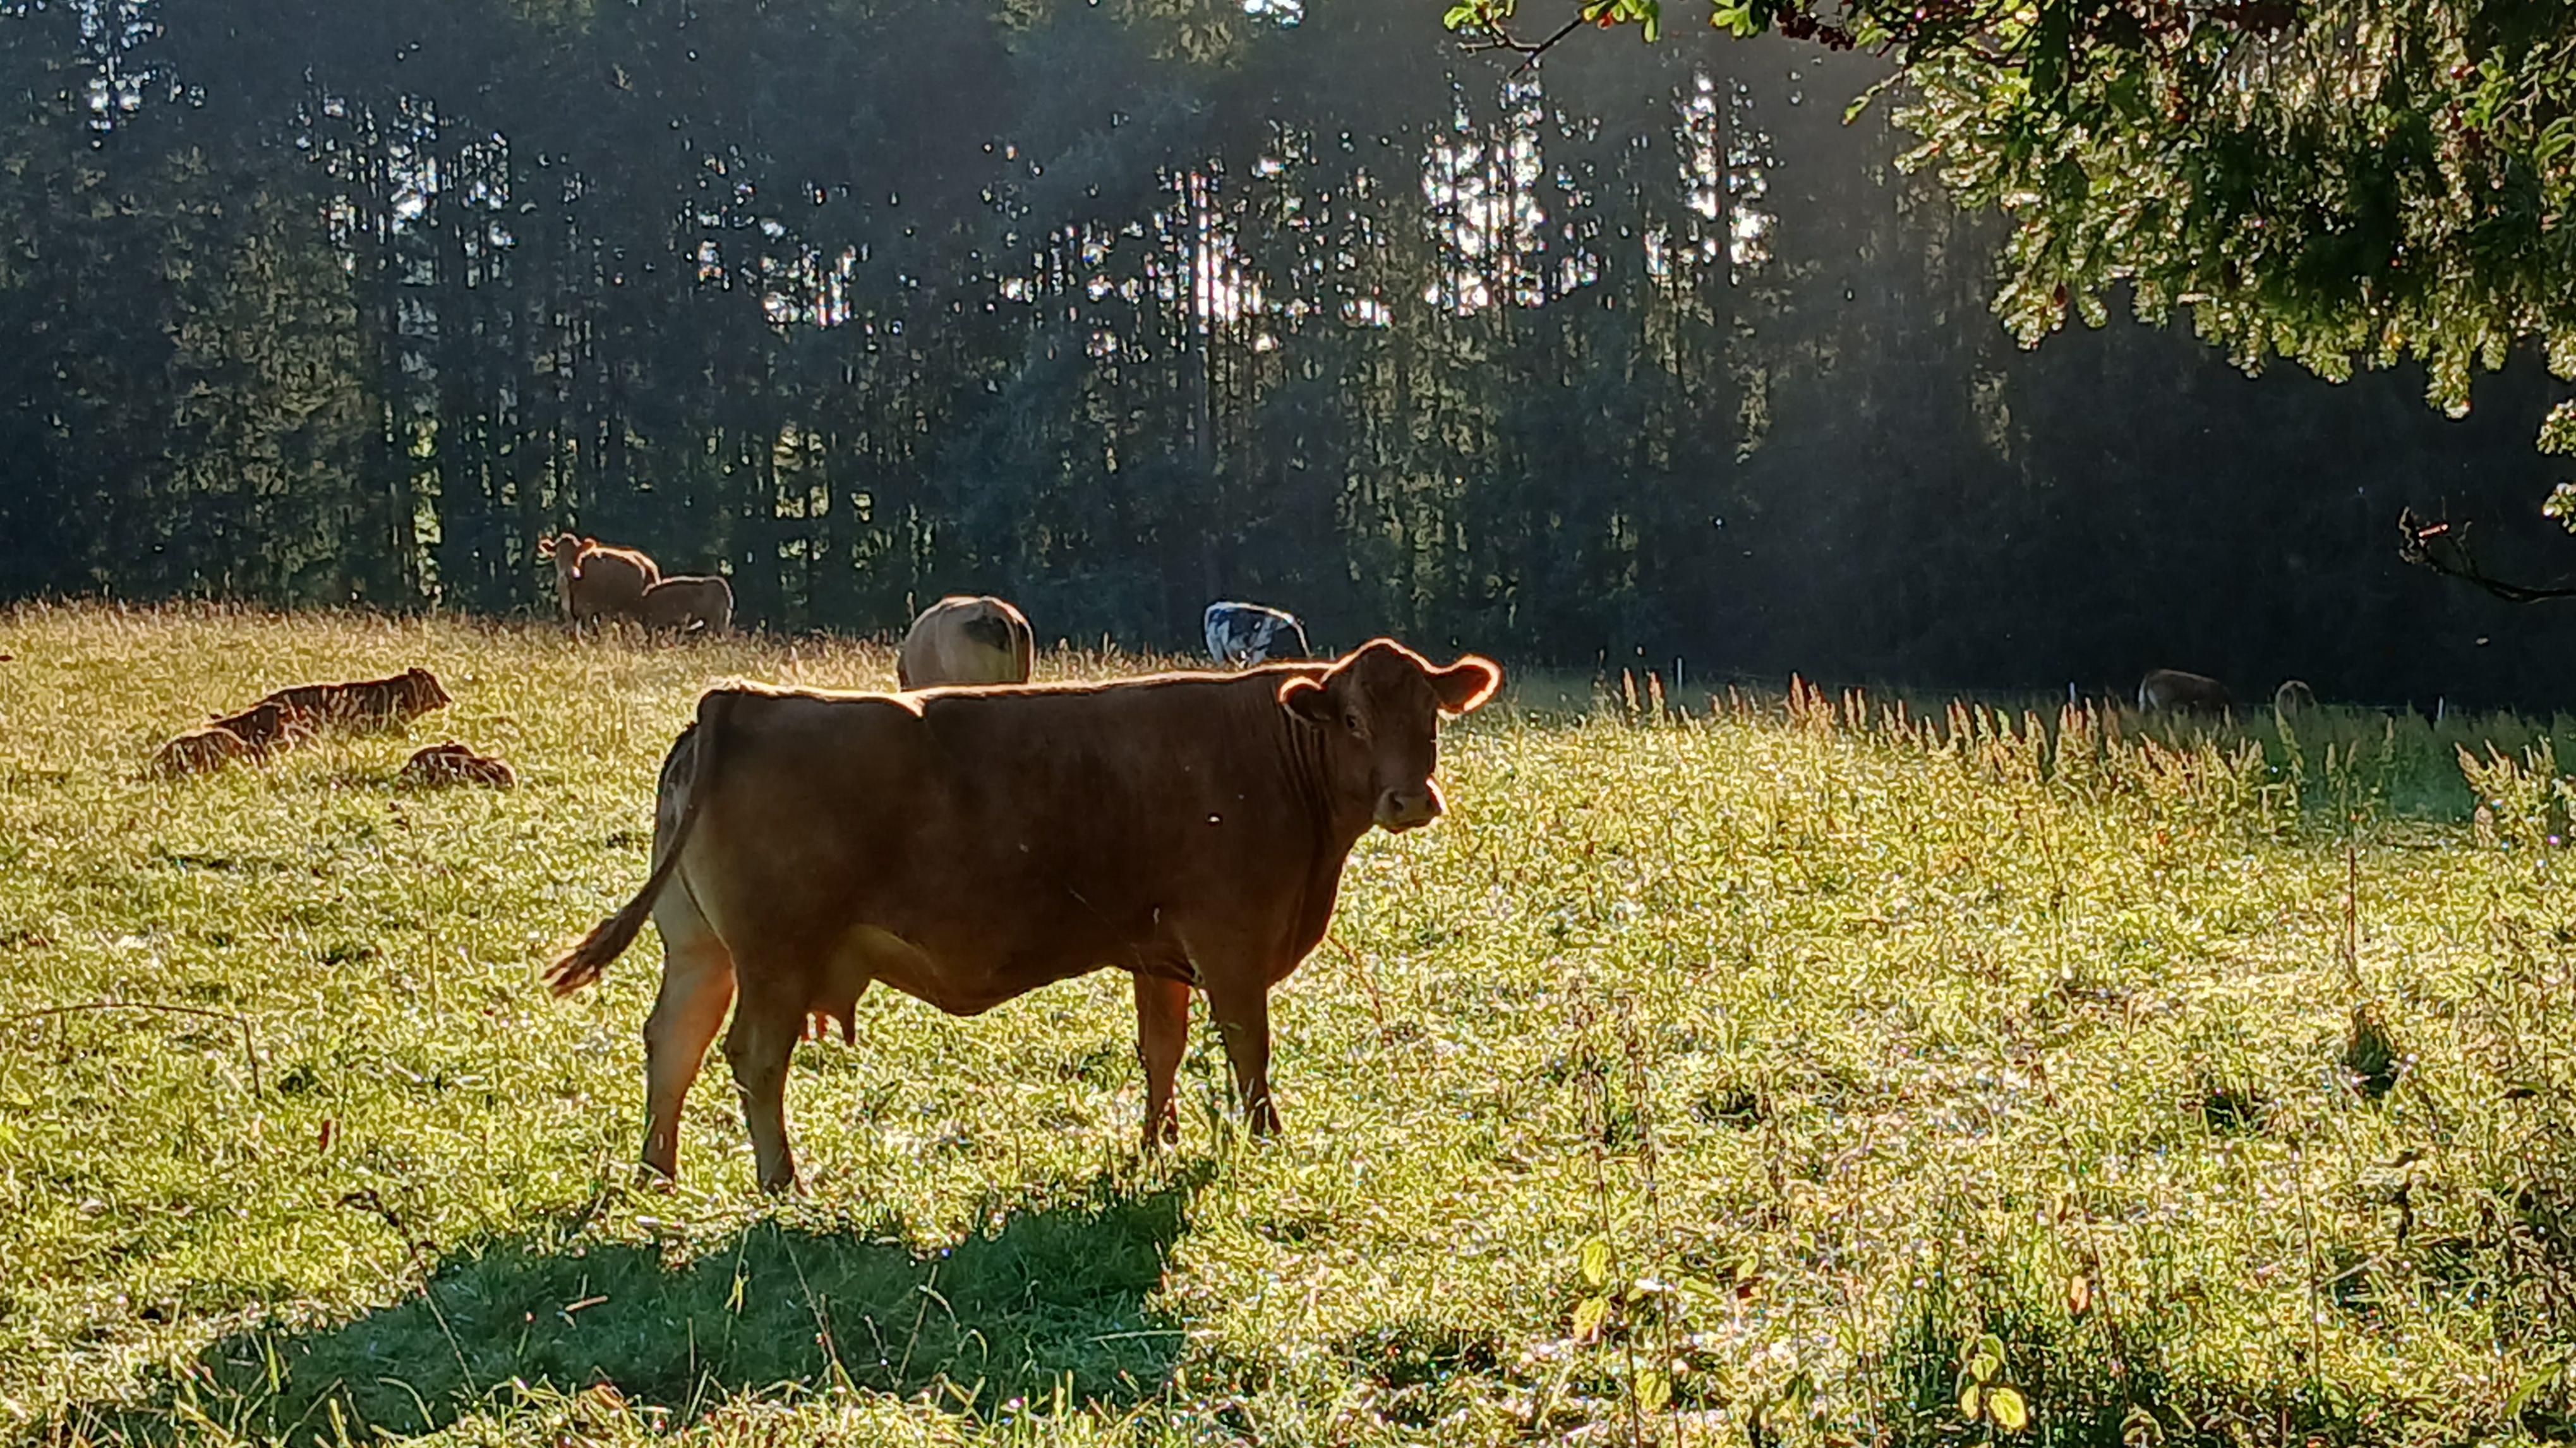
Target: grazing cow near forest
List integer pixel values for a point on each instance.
(966, 639)
(1249, 633)
(366, 704)
(595, 582)
(967, 845)
(2173, 691)
(703, 604)
(2293, 698)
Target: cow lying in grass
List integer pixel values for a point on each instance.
(290, 716)
(454, 763)
(201, 750)
(967, 845)
(250, 736)
(366, 704)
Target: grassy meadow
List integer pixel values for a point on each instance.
(1762, 1072)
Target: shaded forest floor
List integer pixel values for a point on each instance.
(1783, 1073)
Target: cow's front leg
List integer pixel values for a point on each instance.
(1162, 1034)
(763, 1036)
(1242, 1016)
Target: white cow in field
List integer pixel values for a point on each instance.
(1241, 634)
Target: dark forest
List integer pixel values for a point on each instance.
(1116, 308)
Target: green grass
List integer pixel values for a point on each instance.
(1768, 1076)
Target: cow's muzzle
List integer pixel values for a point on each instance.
(1399, 810)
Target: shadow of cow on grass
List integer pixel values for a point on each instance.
(1052, 1294)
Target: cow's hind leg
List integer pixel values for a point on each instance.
(697, 985)
(1162, 1033)
(766, 1025)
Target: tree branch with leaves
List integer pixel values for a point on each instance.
(2347, 184)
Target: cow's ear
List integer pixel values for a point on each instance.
(1466, 684)
(1308, 700)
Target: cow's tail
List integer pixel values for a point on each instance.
(608, 939)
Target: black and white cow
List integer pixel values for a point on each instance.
(1239, 634)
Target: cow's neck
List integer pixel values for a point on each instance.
(1338, 822)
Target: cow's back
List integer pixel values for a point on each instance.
(2175, 689)
(966, 639)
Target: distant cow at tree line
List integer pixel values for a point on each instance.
(1242, 634)
(2167, 691)
(595, 582)
(2173, 691)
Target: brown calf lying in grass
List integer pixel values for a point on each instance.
(253, 734)
(266, 727)
(454, 763)
(290, 716)
(386, 703)
(200, 751)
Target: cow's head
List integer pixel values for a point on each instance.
(1378, 711)
(422, 691)
(565, 550)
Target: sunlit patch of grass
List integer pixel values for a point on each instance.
(1774, 1072)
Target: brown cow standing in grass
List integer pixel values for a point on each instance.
(968, 845)
(689, 603)
(966, 639)
(595, 582)
(2173, 691)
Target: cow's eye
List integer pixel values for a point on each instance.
(1351, 720)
